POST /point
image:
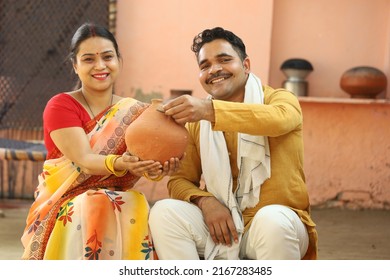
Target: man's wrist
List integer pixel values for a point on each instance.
(209, 111)
(199, 201)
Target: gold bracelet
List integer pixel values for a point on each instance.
(158, 178)
(120, 173)
(109, 164)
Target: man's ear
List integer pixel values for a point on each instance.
(247, 65)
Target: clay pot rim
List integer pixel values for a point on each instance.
(365, 68)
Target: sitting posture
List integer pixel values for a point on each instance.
(246, 144)
(84, 205)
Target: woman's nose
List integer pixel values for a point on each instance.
(100, 64)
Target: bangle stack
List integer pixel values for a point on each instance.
(109, 164)
(156, 179)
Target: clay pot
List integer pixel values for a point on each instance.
(153, 135)
(363, 82)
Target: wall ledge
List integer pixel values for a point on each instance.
(309, 99)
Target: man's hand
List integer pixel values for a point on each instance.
(187, 108)
(218, 219)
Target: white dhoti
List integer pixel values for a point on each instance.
(179, 233)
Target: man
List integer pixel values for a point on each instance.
(246, 145)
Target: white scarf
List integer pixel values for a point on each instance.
(253, 160)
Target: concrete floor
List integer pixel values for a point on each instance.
(343, 234)
(11, 227)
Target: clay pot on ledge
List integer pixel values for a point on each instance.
(363, 82)
(155, 136)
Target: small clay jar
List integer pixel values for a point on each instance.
(363, 82)
(156, 136)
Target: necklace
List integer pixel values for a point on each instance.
(89, 107)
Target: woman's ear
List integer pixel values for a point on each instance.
(75, 68)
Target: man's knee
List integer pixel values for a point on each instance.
(277, 233)
(273, 221)
(159, 209)
(166, 209)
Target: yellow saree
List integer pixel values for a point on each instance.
(80, 216)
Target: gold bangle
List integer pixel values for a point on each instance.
(120, 173)
(106, 163)
(109, 164)
(158, 178)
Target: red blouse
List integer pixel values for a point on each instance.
(62, 111)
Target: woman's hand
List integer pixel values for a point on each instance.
(170, 167)
(150, 168)
(139, 167)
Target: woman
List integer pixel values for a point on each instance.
(84, 207)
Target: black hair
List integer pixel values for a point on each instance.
(86, 31)
(208, 35)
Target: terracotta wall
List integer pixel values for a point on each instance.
(155, 39)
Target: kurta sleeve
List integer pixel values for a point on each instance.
(280, 114)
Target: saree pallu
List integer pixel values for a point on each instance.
(80, 216)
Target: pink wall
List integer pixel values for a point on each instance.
(155, 39)
(347, 152)
(334, 36)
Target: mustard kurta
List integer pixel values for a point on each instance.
(280, 118)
